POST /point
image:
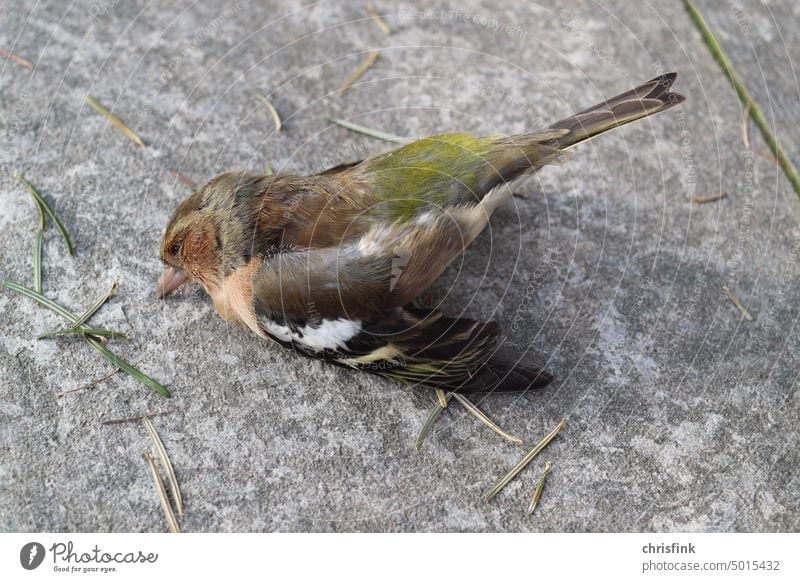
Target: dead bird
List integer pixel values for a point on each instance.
(330, 264)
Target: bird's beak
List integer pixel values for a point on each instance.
(170, 280)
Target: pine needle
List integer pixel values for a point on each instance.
(359, 70)
(737, 303)
(539, 487)
(162, 494)
(368, 131)
(37, 261)
(703, 198)
(441, 395)
(274, 112)
(480, 415)
(15, 58)
(162, 454)
(45, 208)
(115, 121)
(378, 20)
(433, 416)
(515, 470)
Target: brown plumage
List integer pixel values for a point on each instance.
(329, 264)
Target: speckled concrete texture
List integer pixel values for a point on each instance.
(681, 415)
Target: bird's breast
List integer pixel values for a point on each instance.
(233, 299)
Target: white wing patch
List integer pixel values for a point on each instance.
(331, 334)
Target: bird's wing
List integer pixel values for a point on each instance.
(365, 277)
(423, 347)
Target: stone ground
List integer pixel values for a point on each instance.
(681, 415)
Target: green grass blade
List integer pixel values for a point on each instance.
(744, 95)
(92, 309)
(41, 299)
(367, 131)
(43, 205)
(128, 369)
(37, 261)
(107, 354)
(93, 331)
(539, 487)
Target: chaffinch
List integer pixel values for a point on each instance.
(330, 264)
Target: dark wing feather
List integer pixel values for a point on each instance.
(425, 348)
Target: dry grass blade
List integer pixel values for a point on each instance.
(378, 20)
(115, 121)
(162, 454)
(128, 369)
(184, 180)
(539, 487)
(433, 416)
(767, 156)
(368, 131)
(88, 386)
(441, 395)
(738, 304)
(37, 261)
(703, 198)
(359, 70)
(506, 479)
(274, 112)
(746, 125)
(16, 58)
(477, 413)
(162, 494)
(93, 331)
(44, 207)
(136, 418)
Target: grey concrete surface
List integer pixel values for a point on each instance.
(682, 416)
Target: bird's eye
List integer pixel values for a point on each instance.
(174, 249)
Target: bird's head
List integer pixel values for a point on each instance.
(211, 232)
